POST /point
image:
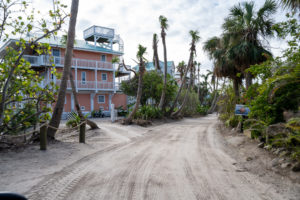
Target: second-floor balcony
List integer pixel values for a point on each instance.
(44, 60)
(87, 85)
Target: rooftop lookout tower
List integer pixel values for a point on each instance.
(103, 37)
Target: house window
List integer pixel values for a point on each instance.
(104, 77)
(65, 99)
(82, 107)
(56, 52)
(83, 77)
(103, 58)
(101, 99)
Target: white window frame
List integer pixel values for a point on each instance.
(103, 56)
(83, 82)
(103, 98)
(56, 50)
(102, 77)
(82, 107)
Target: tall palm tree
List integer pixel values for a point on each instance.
(164, 26)
(140, 56)
(58, 109)
(155, 52)
(247, 29)
(195, 38)
(223, 65)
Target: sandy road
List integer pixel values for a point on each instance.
(183, 160)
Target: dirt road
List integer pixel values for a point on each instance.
(181, 160)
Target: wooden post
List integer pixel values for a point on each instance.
(43, 137)
(82, 133)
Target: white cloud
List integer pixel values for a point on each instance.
(137, 20)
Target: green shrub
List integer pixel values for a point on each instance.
(192, 103)
(148, 112)
(121, 111)
(96, 113)
(202, 110)
(73, 121)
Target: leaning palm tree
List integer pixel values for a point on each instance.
(58, 109)
(140, 56)
(155, 52)
(195, 38)
(164, 26)
(247, 30)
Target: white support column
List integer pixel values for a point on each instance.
(72, 102)
(114, 74)
(76, 75)
(92, 101)
(109, 102)
(96, 80)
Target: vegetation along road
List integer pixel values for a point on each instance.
(180, 160)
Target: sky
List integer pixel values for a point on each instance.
(137, 20)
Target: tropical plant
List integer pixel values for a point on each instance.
(195, 38)
(152, 87)
(140, 56)
(164, 26)
(22, 95)
(246, 30)
(155, 52)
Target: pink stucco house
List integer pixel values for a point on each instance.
(92, 69)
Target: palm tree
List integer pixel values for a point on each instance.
(246, 30)
(58, 109)
(155, 52)
(140, 56)
(180, 68)
(292, 4)
(164, 26)
(195, 38)
(223, 65)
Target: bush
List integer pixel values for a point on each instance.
(74, 120)
(121, 111)
(96, 114)
(148, 112)
(202, 110)
(192, 103)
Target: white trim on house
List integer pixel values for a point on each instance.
(103, 98)
(105, 77)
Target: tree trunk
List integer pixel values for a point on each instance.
(58, 109)
(214, 102)
(92, 124)
(248, 80)
(155, 54)
(190, 63)
(198, 89)
(236, 88)
(163, 94)
(128, 120)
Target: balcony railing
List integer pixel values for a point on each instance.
(90, 85)
(99, 31)
(59, 61)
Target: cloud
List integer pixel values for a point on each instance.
(137, 20)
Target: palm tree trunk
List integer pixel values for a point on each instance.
(92, 124)
(128, 120)
(163, 94)
(214, 102)
(248, 80)
(58, 109)
(184, 100)
(155, 54)
(180, 88)
(236, 88)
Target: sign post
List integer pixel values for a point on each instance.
(243, 111)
